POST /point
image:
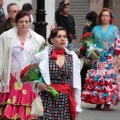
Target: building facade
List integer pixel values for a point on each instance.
(114, 5)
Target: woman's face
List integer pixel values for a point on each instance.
(105, 17)
(23, 24)
(59, 41)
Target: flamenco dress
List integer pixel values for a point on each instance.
(16, 104)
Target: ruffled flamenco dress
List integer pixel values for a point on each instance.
(16, 104)
(101, 82)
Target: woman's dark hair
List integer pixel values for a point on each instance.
(21, 14)
(103, 10)
(54, 33)
(27, 7)
(91, 16)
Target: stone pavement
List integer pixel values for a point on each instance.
(89, 113)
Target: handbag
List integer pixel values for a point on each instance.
(37, 107)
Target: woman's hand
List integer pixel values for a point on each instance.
(67, 2)
(43, 87)
(87, 24)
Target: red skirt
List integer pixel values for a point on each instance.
(17, 103)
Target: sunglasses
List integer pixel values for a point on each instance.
(15, 11)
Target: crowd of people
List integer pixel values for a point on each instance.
(60, 67)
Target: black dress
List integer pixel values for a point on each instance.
(58, 108)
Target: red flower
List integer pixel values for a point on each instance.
(109, 57)
(88, 34)
(70, 35)
(26, 69)
(118, 40)
(117, 51)
(83, 49)
(111, 20)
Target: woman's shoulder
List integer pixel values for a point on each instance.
(96, 27)
(70, 52)
(39, 56)
(12, 30)
(113, 26)
(35, 34)
(8, 35)
(42, 55)
(73, 54)
(44, 51)
(38, 38)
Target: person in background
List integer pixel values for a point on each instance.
(64, 19)
(61, 71)
(91, 19)
(28, 7)
(101, 87)
(12, 10)
(17, 48)
(2, 14)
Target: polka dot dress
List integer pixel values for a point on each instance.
(58, 108)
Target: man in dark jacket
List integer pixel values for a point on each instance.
(12, 10)
(2, 14)
(64, 19)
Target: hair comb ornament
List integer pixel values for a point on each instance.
(113, 15)
(112, 18)
(52, 27)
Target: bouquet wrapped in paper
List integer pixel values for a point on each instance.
(31, 73)
(88, 46)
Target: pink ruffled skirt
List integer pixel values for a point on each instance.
(17, 103)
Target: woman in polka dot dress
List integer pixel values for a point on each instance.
(60, 69)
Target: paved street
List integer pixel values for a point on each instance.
(89, 113)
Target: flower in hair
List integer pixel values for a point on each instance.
(52, 27)
(112, 18)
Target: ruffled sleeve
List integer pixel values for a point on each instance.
(117, 42)
(117, 50)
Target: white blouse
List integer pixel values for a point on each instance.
(21, 55)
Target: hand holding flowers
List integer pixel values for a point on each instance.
(89, 48)
(32, 73)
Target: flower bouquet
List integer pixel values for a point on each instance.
(88, 45)
(31, 73)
